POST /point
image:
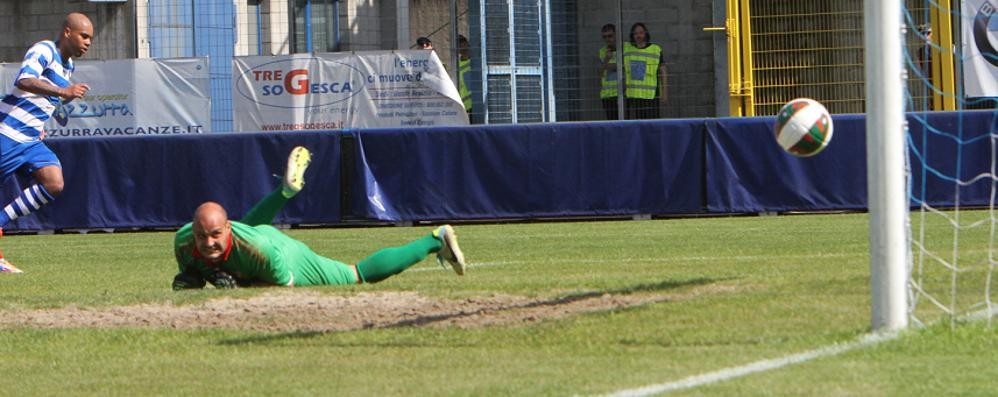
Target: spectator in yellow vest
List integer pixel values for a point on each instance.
(645, 74)
(464, 67)
(608, 71)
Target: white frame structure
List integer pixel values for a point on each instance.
(512, 70)
(885, 156)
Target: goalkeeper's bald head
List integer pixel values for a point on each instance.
(210, 210)
(212, 230)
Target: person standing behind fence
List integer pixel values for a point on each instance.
(608, 71)
(41, 86)
(645, 71)
(424, 43)
(463, 68)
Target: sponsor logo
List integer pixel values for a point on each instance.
(300, 83)
(984, 25)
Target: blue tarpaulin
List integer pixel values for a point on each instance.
(727, 165)
(157, 181)
(748, 172)
(538, 170)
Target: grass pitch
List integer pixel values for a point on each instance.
(734, 291)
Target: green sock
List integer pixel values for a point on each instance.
(387, 262)
(263, 212)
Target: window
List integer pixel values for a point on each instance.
(515, 62)
(186, 28)
(316, 26)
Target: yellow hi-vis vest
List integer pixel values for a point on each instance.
(608, 77)
(641, 66)
(464, 66)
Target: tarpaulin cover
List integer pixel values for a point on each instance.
(537, 170)
(747, 171)
(724, 165)
(158, 181)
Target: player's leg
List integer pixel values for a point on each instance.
(390, 261)
(263, 212)
(44, 166)
(305, 267)
(319, 270)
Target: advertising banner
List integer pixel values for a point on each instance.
(344, 90)
(132, 97)
(980, 41)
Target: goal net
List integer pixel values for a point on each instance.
(952, 75)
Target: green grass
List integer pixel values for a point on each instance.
(772, 286)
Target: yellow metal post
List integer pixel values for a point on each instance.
(730, 29)
(735, 103)
(736, 28)
(943, 73)
(745, 32)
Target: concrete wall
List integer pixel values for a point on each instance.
(28, 22)
(360, 25)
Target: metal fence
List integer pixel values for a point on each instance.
(808, 49)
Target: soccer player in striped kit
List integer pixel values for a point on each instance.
(41, 86)
(227, 254)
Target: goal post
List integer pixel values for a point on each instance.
(885, 156)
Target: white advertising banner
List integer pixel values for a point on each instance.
(343, 90)
(980, 57)
(131, 97)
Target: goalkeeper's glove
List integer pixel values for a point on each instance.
(221, 279)
(187, 280)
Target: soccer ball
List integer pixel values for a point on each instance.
(803, 127)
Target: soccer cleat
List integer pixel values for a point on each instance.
(294, 175)
(6, 267)
(450, 252)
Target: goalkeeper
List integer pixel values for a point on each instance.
(213, 249)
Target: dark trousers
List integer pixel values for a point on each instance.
(610, 107)
(641, 109)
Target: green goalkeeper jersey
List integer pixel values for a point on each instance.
(264, 254)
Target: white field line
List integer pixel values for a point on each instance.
(435, 268)
(766, 365)
(677, 259)
(758, 366)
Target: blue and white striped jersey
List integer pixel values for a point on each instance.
(23, 114)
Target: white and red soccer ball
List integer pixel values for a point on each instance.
(803, 127)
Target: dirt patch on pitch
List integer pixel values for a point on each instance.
(310, 311)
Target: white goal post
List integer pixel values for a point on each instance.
(885, 156)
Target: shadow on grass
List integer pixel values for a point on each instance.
(495, 310)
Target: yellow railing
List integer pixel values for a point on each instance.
(740, 98)
(943, 75)
(779, 50)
